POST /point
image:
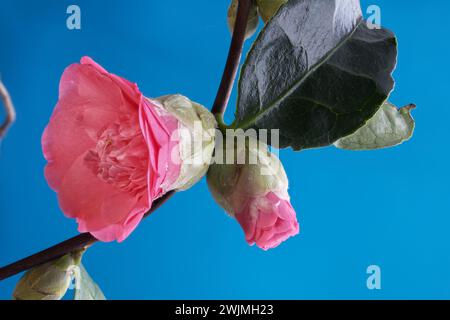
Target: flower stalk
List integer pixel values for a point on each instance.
(234, 58)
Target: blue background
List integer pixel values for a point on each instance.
(388, 207)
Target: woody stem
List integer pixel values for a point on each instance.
(78, 242)
(9, 108)
(233, 60)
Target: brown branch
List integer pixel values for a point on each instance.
(76, 243)
(234, 57)
(220, 104)
(9, 108)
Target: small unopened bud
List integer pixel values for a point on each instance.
(253, 19)
(49, 281)
(256, 194)
(268, 8)
(195, 137)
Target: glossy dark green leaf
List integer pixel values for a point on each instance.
(316, 72)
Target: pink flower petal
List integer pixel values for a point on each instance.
(108, 151)
(268, 221)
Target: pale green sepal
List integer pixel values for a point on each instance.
(86, 288)
(197, 130)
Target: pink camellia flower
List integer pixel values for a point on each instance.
(267, 221)
(111, 151)
(256, 194)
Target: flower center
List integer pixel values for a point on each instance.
(120, 157)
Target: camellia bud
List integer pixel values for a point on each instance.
(49, 281)
(256, 194)
(268, 8)
(196, 135)
(253, 18)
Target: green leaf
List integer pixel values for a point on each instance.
(86, 288)
(316, 72)
(389, 127)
